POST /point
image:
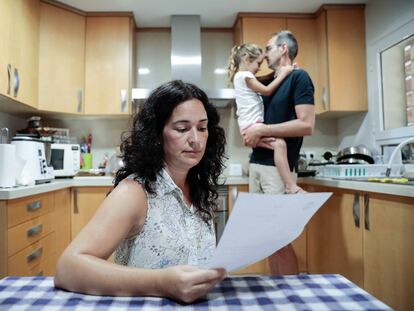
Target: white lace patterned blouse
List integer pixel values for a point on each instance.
(173, 234)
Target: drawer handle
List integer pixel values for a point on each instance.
(36, 254)
(33, 206)
(34, 230)
(40, 273)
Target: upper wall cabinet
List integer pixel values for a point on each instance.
(19, 50)
(108, 67)
(332, 54)
(61, 60)
(258, 28)
(341, 47)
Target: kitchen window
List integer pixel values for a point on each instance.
(390, 84)
(397, 77)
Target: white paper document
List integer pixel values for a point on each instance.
(261, 224)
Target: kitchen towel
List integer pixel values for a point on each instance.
(8, 165)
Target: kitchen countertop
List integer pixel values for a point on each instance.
(378, 187)
(86, 181)
(106, 181)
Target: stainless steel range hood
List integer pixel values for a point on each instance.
(186, 60)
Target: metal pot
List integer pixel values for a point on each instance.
(355, 155)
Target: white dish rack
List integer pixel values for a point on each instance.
(346, 171)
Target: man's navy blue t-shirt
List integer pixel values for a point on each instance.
(295, 89)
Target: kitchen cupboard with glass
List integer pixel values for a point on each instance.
(366, 237)
(19, 50)
(34, 231)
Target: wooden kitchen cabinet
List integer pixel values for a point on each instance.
(335, 240)
(342, 65)
(61, 60)
(86, 201)
(378, 254)
(108, 65)
(258, 28)
(63, 204)
(34, 231)
(389, 249)
(306, 34)
(19, 50)
(5, 58)
(332, 54)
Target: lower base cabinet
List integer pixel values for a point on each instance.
(335, 236)
(389, 249)
(86, 201)
(34, 231)
(366, 237)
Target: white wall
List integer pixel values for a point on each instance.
(323, 139)
(153, 51)
(384, 20)
(106, 133)
(13, 123)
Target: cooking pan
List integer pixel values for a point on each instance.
(355, 154)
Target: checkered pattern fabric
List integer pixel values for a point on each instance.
(302, 292)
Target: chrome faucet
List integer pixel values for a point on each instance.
(394, 153)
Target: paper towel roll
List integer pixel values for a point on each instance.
(7, 165)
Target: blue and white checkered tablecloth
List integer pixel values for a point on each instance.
(302, 292)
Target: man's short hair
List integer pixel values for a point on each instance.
(286, 36)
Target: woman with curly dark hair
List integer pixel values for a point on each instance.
(159, 217)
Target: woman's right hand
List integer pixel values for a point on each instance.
(187, 283)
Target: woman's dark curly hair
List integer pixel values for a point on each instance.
(143, 153)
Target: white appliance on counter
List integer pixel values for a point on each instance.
(36, 153)
(65, 159)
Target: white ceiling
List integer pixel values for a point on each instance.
(214, 13)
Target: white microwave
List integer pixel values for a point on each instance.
(65, 159)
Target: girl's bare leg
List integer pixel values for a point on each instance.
(280, 156)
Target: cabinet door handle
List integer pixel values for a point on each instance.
(9, 68)
(75, 201)
(40, 273)
(34, 230)
(355, 210)
(33, 206)
(16, 82)
(123, 100)
(366, 205)
(79, 96)
(35, 255)
(324, 98)
(234, 194)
